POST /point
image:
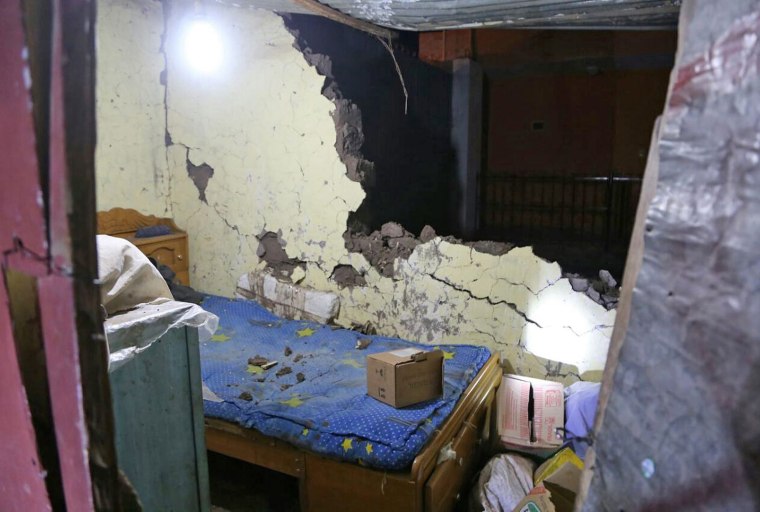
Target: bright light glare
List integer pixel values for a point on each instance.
(203, 46)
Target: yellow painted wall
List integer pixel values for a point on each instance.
(263, 125)
(130, 157)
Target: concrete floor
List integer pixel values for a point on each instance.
(240, 487)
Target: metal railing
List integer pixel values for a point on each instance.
(578, 211)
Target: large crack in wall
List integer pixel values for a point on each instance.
(286, 177)
(395, 254)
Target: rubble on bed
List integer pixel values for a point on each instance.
(320, 402)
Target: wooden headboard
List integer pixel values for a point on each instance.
(171, 249)
(124, 222)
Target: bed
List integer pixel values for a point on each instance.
(309, 416)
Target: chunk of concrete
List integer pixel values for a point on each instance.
(607, 278)
(392, 230)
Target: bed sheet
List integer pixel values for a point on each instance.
(316, 396)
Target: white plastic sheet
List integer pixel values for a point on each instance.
(133, 331)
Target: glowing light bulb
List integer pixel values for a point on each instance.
(203, 46)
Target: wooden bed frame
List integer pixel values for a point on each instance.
(330, 485)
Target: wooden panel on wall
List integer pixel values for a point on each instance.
(445, 45)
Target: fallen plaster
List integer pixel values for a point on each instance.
(264, 126)
(272, 251)
(381, 248)
(346, 275)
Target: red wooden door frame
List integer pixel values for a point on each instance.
(39, 206)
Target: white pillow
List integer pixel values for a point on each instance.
(127, 276)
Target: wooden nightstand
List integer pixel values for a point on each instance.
(171, 250)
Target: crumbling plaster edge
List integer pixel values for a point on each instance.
(350, 258)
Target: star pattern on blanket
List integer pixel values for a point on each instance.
(221, 337)
(305, 332)
(365, 435)
(252, 368)
(352, 362)
(293, 401)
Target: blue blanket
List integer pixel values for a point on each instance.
(316, 395)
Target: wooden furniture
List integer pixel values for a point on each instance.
(158, 413)
(171, 250)
(331, 485)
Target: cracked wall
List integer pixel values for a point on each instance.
(130, 156)
(402, 148)
(263, 126)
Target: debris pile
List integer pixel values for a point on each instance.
(381, 248)
(392, 241)
(542, 468)
(603, 291)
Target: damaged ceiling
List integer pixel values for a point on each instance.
(424, 15)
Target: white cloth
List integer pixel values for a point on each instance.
(503, 482)
(127, 276)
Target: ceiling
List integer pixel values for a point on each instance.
(424, 15)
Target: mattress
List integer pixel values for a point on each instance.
(315, 397)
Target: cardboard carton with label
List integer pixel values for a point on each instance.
(529, 412)
(405, 377)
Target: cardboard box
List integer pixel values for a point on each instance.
(405, 377)
(529, 412)
(561, 475)
(539, 500)
(563, 469)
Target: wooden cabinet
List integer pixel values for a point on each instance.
(158, 415)
(171, 250)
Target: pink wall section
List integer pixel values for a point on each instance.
(22, 484)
